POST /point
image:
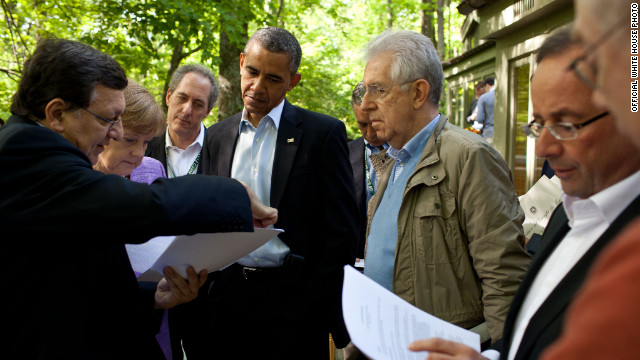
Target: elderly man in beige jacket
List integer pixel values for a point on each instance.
(445, 227)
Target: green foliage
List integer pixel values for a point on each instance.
(146, 36)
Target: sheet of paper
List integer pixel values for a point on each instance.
(538, 204)
(382, 325)
(203, 251)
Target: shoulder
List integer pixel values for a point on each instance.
(455, 142)
(356, 144)
(149, 170)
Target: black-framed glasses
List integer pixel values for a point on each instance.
(586, 72)
(561, 130)
(111, 122)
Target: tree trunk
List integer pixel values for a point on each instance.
(176, 57)
(426, 20)
(230, 100)
(389, 14)
(440, 43)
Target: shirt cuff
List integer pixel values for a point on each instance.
(491, 354)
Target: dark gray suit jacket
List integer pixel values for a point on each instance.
(356, 157)
(312, 188)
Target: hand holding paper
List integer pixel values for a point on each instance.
(203, 251)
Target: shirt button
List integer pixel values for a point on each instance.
(256, 259)
(434, 177)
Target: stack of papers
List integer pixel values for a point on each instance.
(212, 251)
(382, 325)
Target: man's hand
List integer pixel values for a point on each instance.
(174, 290)
(263, 216)
(445, 349)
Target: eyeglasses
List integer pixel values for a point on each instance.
(561, 130)
(587, 73)
(112, 122)
(378, 92)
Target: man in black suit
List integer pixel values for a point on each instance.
(364, 176)
(599, 170)
(282, 300)
(192, 93)
(70, 291)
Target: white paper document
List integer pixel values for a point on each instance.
(382, 325)
(538, 204)
(212, 251)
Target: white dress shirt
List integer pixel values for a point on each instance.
(253, 164)
(182, 162)
(588, 220)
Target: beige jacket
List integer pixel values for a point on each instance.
(460, 251)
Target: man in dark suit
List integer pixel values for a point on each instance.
(70, 290)
(282, 300)
(599, 170)
(193, 91)
(364, 176)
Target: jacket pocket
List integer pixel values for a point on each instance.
(438, 238)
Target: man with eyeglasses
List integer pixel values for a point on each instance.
(599, 171)
(603, 320)
(360, 151)
(445, 228)
(70, 291)
(192, 93)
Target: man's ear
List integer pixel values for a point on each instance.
(295, 79)
(168, 96)
(53, 115)
(421, 93)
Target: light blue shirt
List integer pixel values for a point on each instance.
(253, 164)
(485, 112)
(403, 155)
(383, 234)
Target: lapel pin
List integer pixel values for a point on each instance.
(289, 141)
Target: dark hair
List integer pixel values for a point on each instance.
(65, 69)
(490, 81)
(279, 41)
(357, 94)
(200, 70)
(557, 43)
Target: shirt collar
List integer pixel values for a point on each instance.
(384, 146)
(275, 114)
(610, 202)
(412, 145)
(199, 139)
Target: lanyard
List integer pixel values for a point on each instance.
(192, 169)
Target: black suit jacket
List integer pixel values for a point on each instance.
(157, 150)
(312, 188)
(546, 324)
(70, 291)
(356, 157)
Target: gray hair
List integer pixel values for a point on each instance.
(200, 70)
(414, 58)
(279, 41)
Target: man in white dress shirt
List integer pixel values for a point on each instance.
(192, 94)
(599, 171)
